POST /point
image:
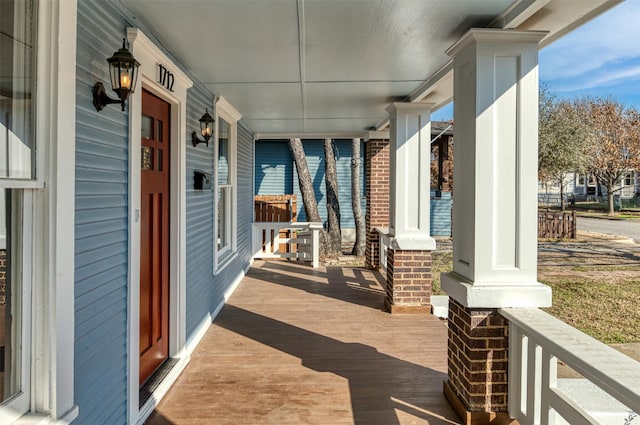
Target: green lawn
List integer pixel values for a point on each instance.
(608, 311)
(601, 301)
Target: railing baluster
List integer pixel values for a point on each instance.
(516, 400)
(549, 383)
(268, 236)
(537, 340)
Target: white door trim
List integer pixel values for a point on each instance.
(150, 58)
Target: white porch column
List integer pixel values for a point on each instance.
(495, 174)
(409, 176)
(409, 252)
(494, 214)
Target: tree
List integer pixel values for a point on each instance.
(361, 235)
(334, 238)
(306, 187)
(562, 139)
(614, 148)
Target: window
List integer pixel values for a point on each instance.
(629, 179)
(17, 165)
(36, 209)
(13, 335)
(225, 198)
(17, 68)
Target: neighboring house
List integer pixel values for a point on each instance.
(441, 177)
(122, 237)
(276, 174)
(584, 186)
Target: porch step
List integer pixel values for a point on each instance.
(440, 306)
(604, 408)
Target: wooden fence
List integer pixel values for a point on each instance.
(275, 208)
(557, 224)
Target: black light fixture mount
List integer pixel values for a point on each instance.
(206, 129)
(123, 70)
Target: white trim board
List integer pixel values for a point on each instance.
(150, 56)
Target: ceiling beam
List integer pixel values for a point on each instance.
(304, 135)
(518, 13)
(302, 61)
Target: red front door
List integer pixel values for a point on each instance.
(154, 235)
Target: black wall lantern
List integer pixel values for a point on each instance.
(206, 129)
(123, 69)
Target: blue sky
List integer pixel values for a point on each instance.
(600, 58)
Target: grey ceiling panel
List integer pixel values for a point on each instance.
(332, 65)
(354, 99)
(263, 100)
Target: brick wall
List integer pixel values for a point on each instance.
(478, 351)
(377, 194)
(3, 276)
(408, 281)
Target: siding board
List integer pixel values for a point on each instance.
(273, 168)
(102, 149)
(101, 222)
(205, 291)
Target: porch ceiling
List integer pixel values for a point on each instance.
(295, 67)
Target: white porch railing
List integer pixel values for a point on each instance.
(536, 341)
(303, 244)
(385, 239)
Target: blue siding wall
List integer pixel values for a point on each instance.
(441, 215)
(101, 258)
(274, 168)
(101, 224)
(199, 218)
(204, 290)
(276, 174)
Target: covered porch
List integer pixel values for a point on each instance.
(296, 345)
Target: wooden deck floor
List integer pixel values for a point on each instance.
(301, 346)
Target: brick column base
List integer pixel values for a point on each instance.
(408, 281)
(377, 195)
(478, 365)
(372, 251)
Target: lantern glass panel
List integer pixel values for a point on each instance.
(114, 70)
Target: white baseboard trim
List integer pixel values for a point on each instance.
(162, 389)
(231, 289)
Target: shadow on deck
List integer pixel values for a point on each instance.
(296, 345)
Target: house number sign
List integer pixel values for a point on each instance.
(165, 77)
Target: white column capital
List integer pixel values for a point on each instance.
(398, 107)
(491, 35)
(375, 135)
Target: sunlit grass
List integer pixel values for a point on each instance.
(608, 311)
(600, 300)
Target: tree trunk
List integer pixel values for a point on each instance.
(358, 217)
(334, 239)
(610, 203)
(562, 203)
(306, 187)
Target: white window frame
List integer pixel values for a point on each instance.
(48, 230)
(18, 405)
(224, 256)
